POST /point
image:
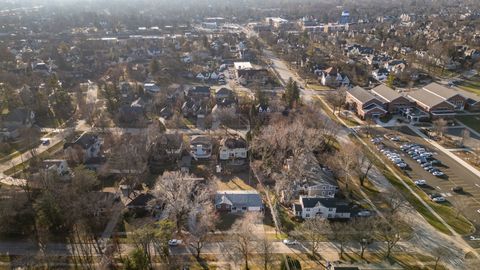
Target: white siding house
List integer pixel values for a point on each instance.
(310, 207)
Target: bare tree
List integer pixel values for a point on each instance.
(439, 125)
(201, 223)
(390, 231)
(341, 233)
(337, 98)
(265, 249)
(345, 161)
(396, 202)
(363, 233)
(313, 231)
(176, 190)
(243, 237)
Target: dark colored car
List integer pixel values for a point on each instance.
(457, 189)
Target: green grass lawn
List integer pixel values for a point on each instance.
(471, 121)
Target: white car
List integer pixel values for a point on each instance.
(174, 242)
(290, 242)
(364, 213)
(420, 182)
(438, 173)
(473, 238)
(439, 199)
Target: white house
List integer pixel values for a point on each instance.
(310, 207)
(201, 147)
(58, 165)
(233, 148)
(151, 88)
(380, 74)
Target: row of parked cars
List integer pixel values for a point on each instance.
(390, 153)
(423, 157)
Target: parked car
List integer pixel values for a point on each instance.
(174, 242)
(364, 213)
(402, 165)
(439, 199)
(426, 164)
(290, 242)
(457, 189)
(438, 173)
(420, 182)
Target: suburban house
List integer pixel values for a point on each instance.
(223, 95)
(235, 201)
(332, 77)
(60, 166)
(201, 147)
(15, 120)
(316, 181)
(151, 88)
(246, 73)
(232, 148)
(86, 147)
(165, 152)
(365, 104)
(198, 92)
(394, 101)
(380, 74)
(331, 208)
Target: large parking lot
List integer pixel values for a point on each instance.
(454, 174)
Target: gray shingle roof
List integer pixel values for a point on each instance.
(440, 90)
(239, 198)
(386, 93)
(425, 97)
(361, 94)
(340, 205)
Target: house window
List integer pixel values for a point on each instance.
(234, 208)
(324, 187)
(331, 209)
(244, 208)
(329, 193)
(308, 209)
(307, 215)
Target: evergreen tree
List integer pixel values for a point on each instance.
(390, 80)
(292, 93)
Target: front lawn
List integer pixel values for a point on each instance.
(470, 121)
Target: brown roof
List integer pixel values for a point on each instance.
(361, 94)
(386, 93)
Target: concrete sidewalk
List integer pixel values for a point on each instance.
(445, 151)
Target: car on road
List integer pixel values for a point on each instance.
(420, 182)
(364, 213)
(474, 238)
(45, 141)
(439, 199)
(290, 242)
(174, 242)
(457, 189)
(434, 195)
